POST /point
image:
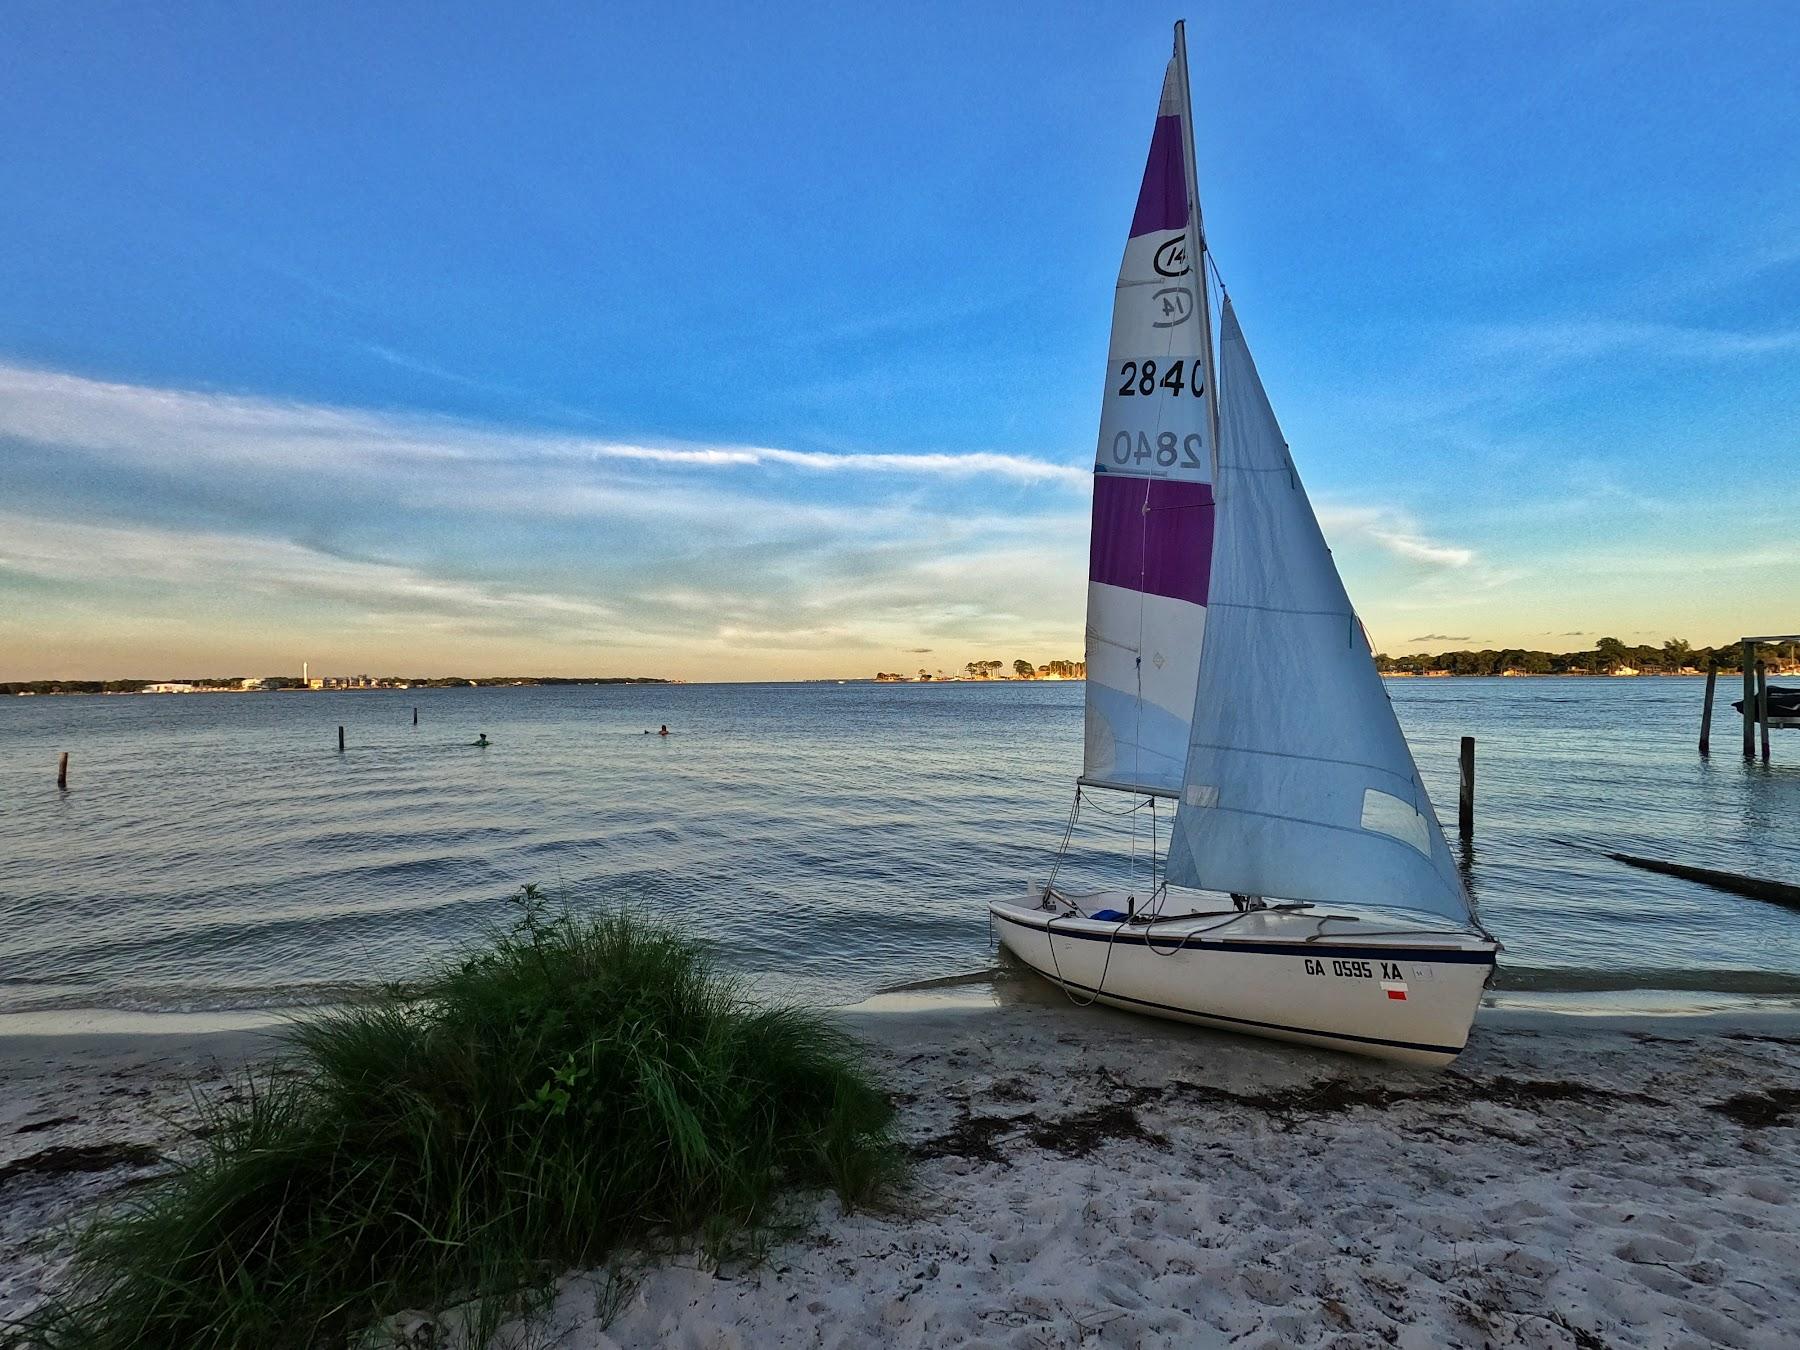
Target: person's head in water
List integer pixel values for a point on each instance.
(664, 731)
(481, 739)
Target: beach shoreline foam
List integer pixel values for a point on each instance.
(1577, 1178)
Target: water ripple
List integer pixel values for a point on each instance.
(830, 840)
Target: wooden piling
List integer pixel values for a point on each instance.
(1747, 659)
(340, 740)
(1712, 679)
(62, 772)
(1762, 705)
(1465, 795)
(415, 717)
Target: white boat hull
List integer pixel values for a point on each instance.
(1300, 975)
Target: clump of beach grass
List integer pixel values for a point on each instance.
(575, 1089)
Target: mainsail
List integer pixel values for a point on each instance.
(1151, 541)
(1299, 783)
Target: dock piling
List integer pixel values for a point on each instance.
(62, 772)
(1712, 680)
(415, 717)
(1762, 705)
(1747, 660)
(340, 740)
(1465, 795)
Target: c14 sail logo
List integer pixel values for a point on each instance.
(1174, 303)
(1170, 258)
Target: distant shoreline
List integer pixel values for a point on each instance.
(283, 685)
(1385, 674)
(1547, 675)
(45, 689)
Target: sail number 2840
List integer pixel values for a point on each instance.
(1141, 377)
(1168, 449)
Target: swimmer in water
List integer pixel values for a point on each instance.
(481, 741)
(664, 731)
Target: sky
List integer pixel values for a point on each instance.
(767, 341)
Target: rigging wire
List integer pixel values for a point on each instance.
(1151, 898)
(1062, 849)
(1074, 910)
(1137, 660)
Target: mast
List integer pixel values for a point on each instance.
(1197, 229)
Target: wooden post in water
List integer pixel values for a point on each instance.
(415, 717)
(1712, 679)
(1747, 659)
(1762, 705)
(340, 740)
(62, 772)
(1465, 795)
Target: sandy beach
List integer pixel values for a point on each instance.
(1085, 1177)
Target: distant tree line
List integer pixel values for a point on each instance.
(76, 686)
(1603, 658)
(9, 687)
(989, 670)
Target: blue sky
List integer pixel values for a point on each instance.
(767, 341)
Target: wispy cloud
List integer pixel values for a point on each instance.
(1588, 339)
(69, 410)
(968, 464)
(1776, 558)
(838, 606)
(1393, 532)
(1417, 549)
(400, 527)
(1441, 637)
(754, 559)
(201, 563)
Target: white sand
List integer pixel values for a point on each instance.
(83, 1115)
(1217, 1208)
(1089, 1178)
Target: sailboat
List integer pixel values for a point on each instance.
(1308, 893)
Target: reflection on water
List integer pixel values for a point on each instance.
(217, 851)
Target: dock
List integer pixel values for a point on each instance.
(1755, 704)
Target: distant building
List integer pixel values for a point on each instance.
(169, 687)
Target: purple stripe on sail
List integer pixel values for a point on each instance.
(1163, 550)
(1162, 200)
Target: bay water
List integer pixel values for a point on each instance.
(217, 852)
